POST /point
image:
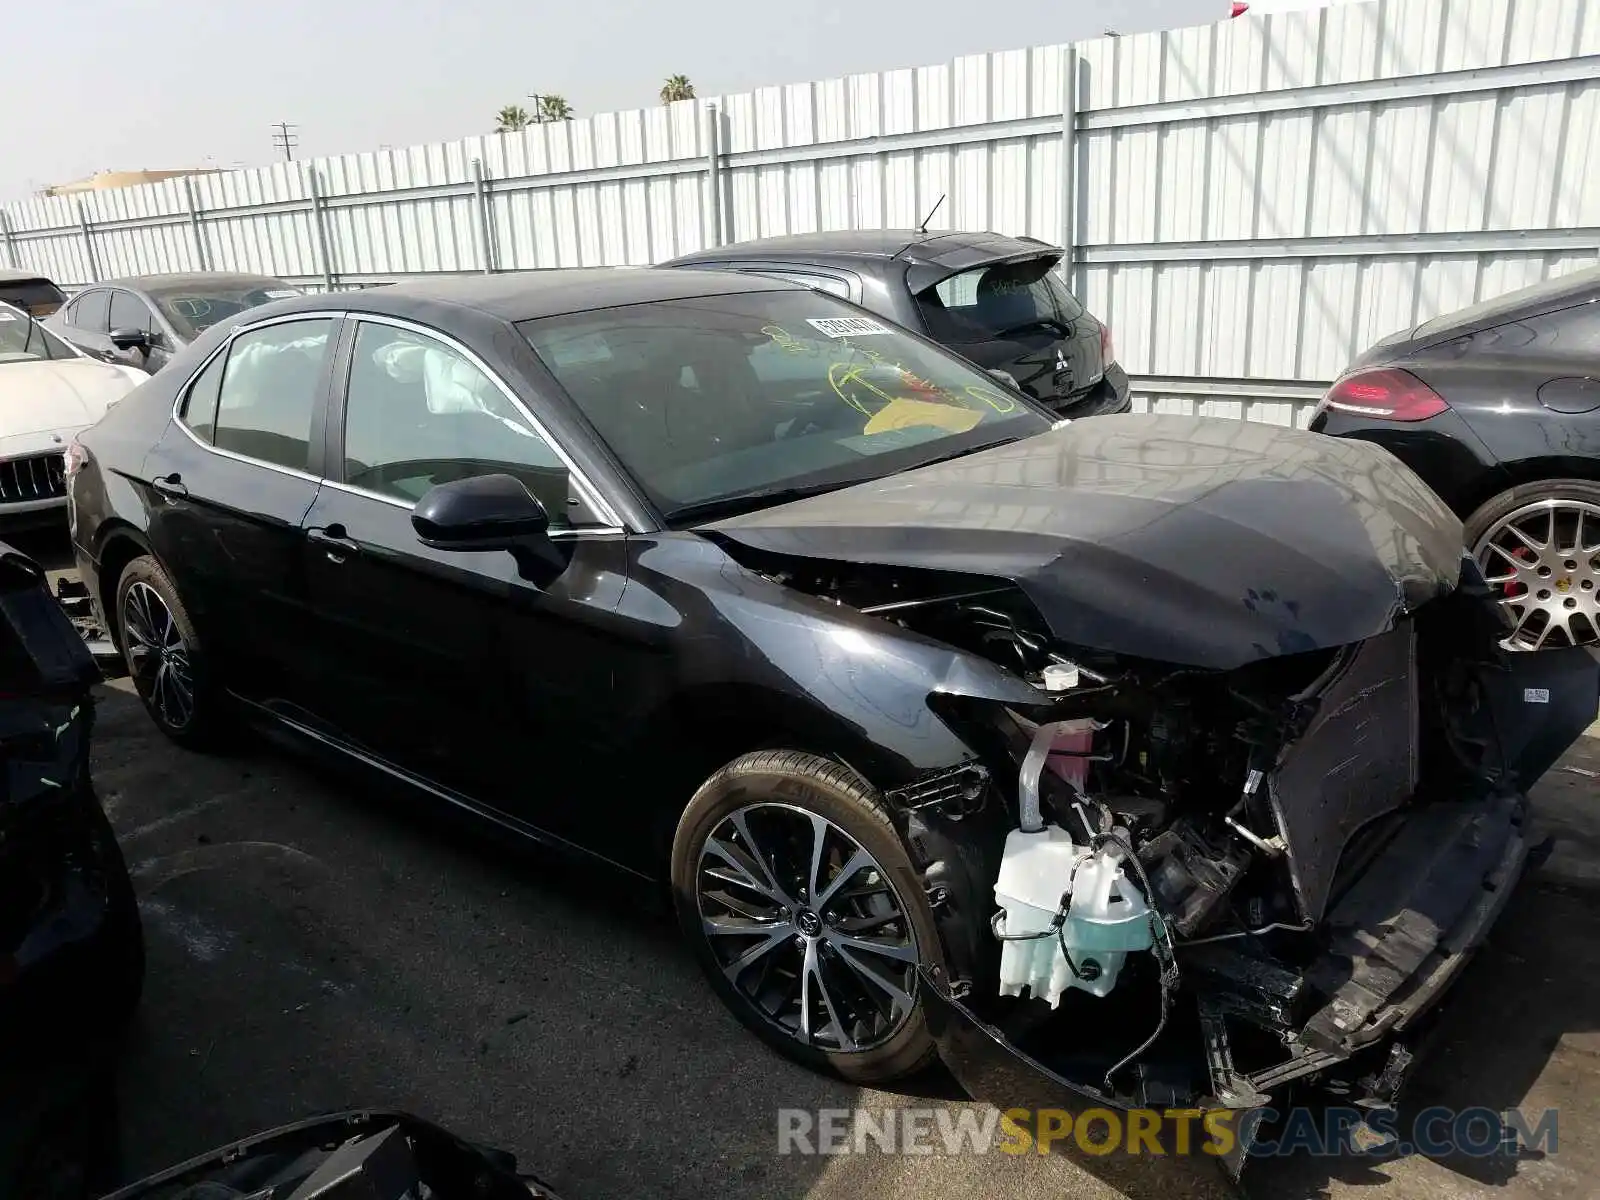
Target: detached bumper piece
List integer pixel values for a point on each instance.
(1406, 929)
(992, 1068)
(362, 1155)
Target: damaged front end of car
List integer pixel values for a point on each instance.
(1185, 884)
(1197, 886)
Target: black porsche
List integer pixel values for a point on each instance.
(1497, 408)
(728, 583)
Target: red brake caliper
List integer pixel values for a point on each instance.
(1514, 587)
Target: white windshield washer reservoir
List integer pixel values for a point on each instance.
(1107, 917)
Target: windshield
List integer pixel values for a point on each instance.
(22, 339)
(720, 398)
(999, 301)
(195, 310)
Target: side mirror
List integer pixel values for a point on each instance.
(487, 512)
(1005, 377)
(130, 339)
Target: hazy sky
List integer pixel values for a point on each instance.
(128, 84)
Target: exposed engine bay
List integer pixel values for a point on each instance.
(1272, 868)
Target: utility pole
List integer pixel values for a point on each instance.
(286, 139)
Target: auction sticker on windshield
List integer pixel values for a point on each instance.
(843, 327)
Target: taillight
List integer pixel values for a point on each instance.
(1387, 394)
(1239, 8)
(1108, 352)
(74, 458)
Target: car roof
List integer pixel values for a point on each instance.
(529, 295)
(183, 281)
(13, 275)
(930, 257)
(1563, 291)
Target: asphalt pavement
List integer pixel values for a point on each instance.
(319, 940)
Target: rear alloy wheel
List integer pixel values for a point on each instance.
(1539, 548)
(157, 656)
(164, 656)
(806, 913)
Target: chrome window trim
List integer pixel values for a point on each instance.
(591, 494)
(612, 523)
(227, 344)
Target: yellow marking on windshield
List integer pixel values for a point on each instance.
(842, 374)
(998, 401)
(786, 341)
(905, 413)
(846, 378)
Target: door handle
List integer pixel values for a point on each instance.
(332, 539)
(170, 486)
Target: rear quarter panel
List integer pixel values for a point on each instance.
(1502, 422)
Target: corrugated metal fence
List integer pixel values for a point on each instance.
(1248, 203)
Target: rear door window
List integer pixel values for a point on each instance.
(995, 302)
(200, 407)
(269, 392)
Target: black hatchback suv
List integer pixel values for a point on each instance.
(997, 301)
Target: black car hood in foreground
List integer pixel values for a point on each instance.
(1200, 541)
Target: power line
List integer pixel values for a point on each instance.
(286, 139)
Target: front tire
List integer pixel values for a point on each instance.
(164, 656)
(807, 915)
(1539, 548)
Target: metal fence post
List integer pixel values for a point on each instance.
(319, 220)
(1069, 165)
(11, 242)
(195, 226)
(88, 243)
(714, 173)
(480, 192)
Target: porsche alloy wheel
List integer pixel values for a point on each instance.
(807, 927)
(1543, 559)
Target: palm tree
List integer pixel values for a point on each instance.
(677, 87)
(553, 108)
(512, 118)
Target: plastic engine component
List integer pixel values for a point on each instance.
(1107, 918)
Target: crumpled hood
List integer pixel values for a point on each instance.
(1201, 541)
(66, 393)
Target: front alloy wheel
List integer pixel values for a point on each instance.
(807, 927)
(158, 656)
(802, 903)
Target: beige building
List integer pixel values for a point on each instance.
(103, 180)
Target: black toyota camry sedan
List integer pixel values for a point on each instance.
(1497, 408)
(921, 701)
